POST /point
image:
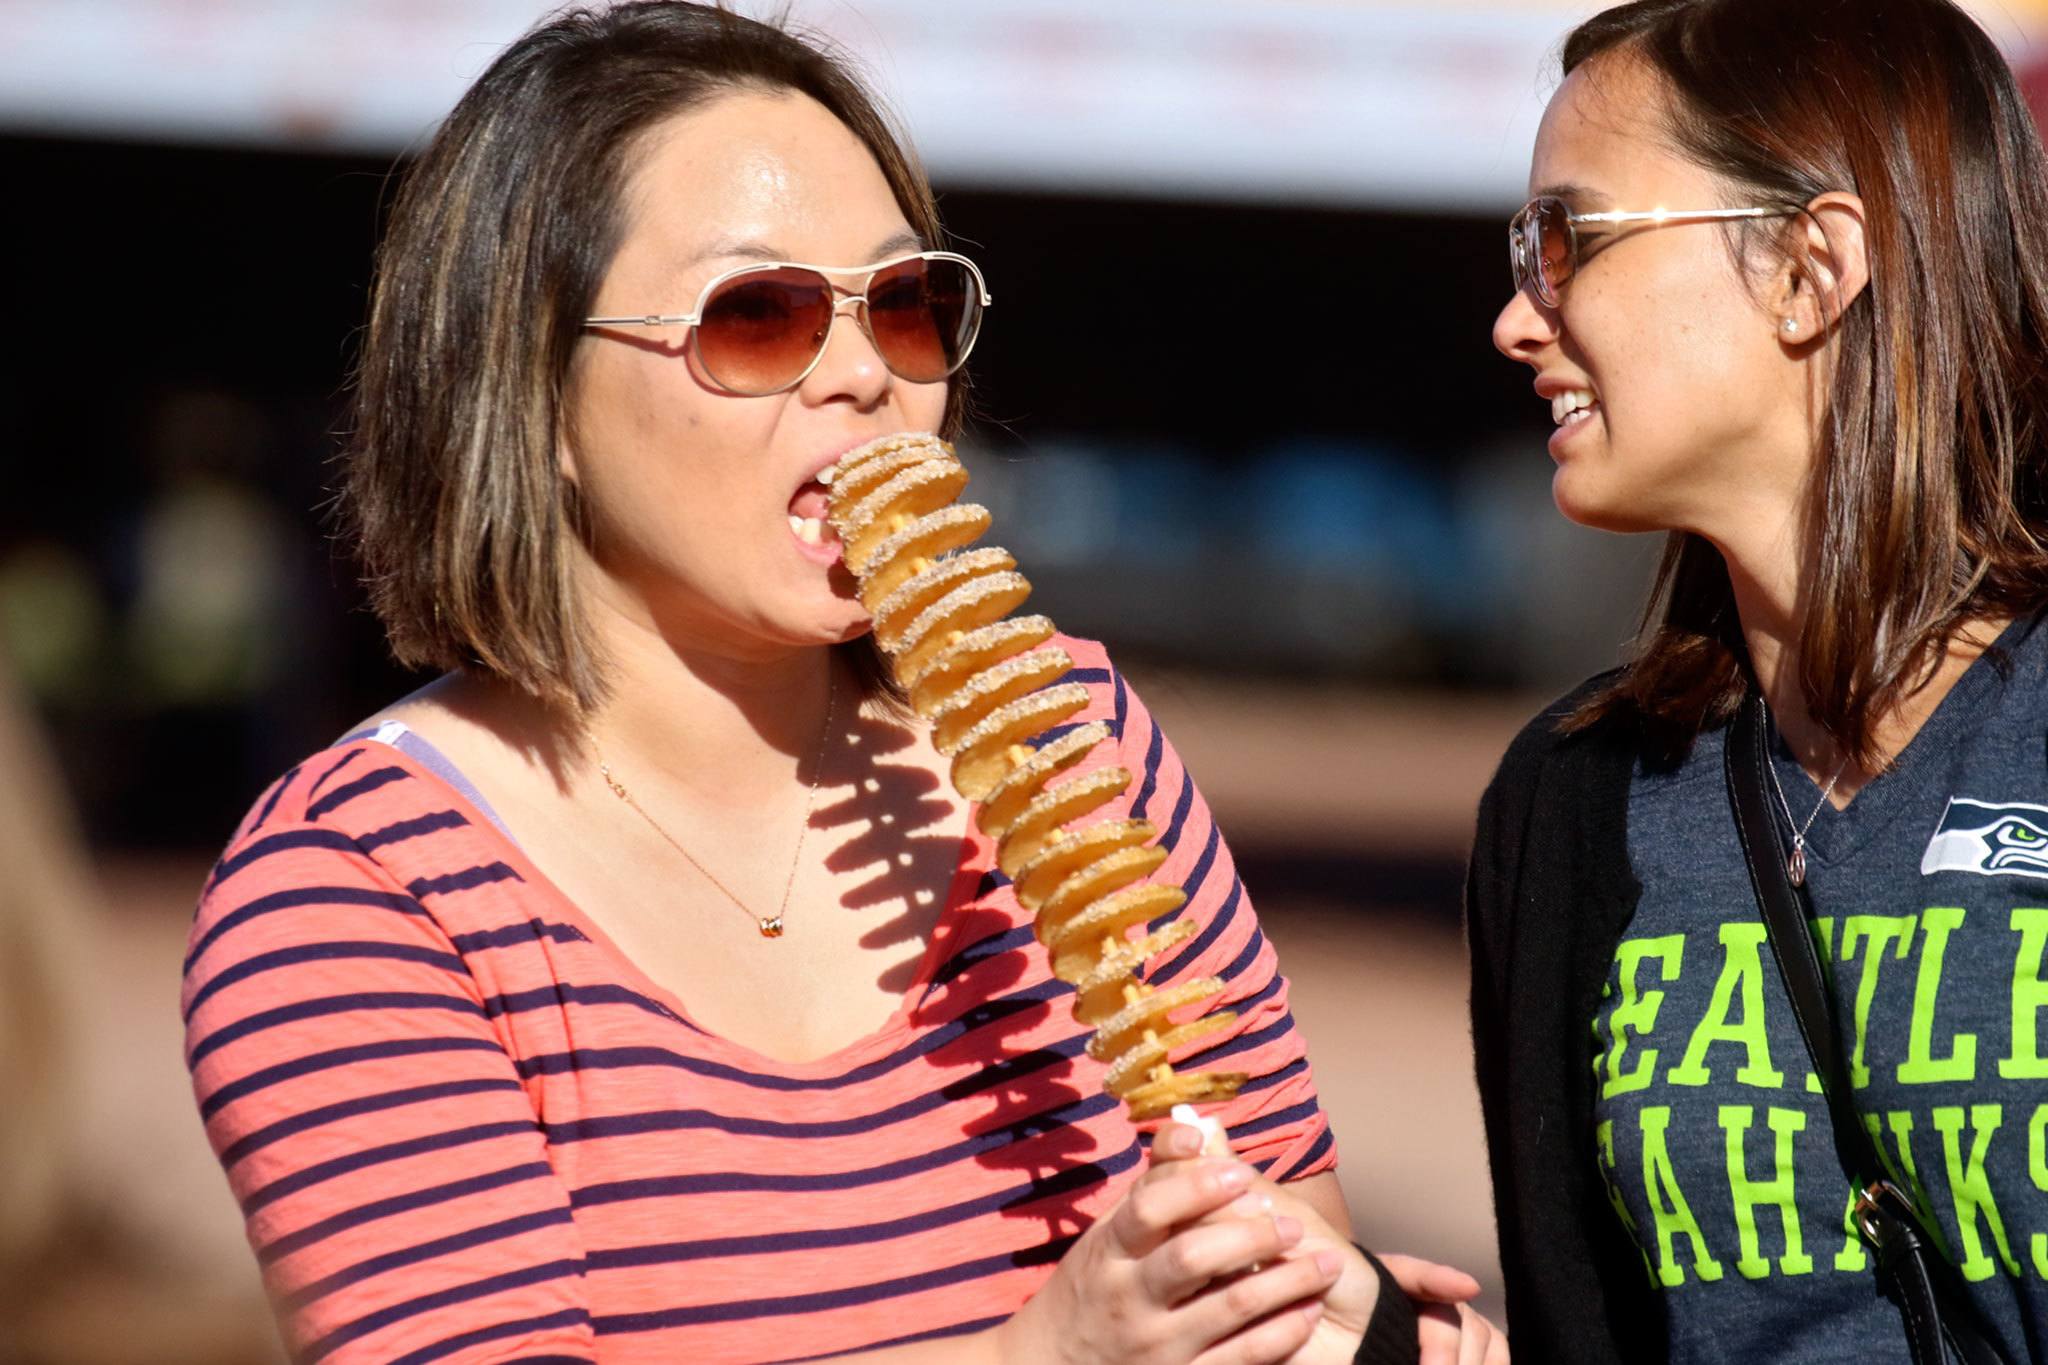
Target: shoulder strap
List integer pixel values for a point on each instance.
(1792, 944)
(1938, 1316)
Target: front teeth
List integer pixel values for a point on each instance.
(810, 530)
(1565, 404)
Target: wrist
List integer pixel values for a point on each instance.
(1017, 1340)
(1390, 1333)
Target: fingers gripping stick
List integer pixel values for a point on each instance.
(1214, 1142)
(988, 682)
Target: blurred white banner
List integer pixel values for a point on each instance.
(1343, 102)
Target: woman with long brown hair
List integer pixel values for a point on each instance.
(1783, 280)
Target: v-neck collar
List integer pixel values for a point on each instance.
(972, 862)
(1837, 834)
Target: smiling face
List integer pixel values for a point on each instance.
(702, 506)
(1680, 405)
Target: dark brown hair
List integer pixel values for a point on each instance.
(1929, 508)
(497, 243)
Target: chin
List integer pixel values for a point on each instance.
(1587, 501)
(850, 624)
(833, 621)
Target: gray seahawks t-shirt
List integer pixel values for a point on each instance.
(1930, 896)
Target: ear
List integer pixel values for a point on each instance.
(565, 433)
(1828, 266)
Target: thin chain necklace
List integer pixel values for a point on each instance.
(1795, 866)
(769, 925)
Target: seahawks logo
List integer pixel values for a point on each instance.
(1991, 840)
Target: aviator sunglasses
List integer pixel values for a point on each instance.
(761, 329)
(1543, 238)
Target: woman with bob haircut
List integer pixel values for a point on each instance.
(638, 991)
(1784, 284)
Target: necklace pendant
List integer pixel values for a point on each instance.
(771, 928)
(1795, 866)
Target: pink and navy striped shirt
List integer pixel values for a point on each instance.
(463, 1127)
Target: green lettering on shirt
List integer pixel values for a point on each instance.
(2029, 994)
(1851, 1257)
(1921, 1066)
(1904, 1170)
(1777, 1191)
(1668, 1208)
(1969, 1190)
(1875, 931)
(2037, 1166)
(1824, 934)
(1741, 969)
(1638, 1012)
(1604, 1135)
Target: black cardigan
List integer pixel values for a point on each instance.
(1547, 898)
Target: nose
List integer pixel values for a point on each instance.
(1524, 327)
(850, 368)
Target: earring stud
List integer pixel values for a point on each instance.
(1791, 324)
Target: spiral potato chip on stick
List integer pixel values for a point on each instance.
(988, 682)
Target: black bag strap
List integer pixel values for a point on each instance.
(1792, 941)
(1940, 1321)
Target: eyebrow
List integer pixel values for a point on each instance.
(1578, 196)
(728, 248)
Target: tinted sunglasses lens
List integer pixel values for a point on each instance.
(923, 315)
(1519, 255)
(761, 331)
(1550, 245)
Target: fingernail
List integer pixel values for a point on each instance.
(1235, 1176)
(1329, 1262)
(1288, 1228)
(1179, 1141)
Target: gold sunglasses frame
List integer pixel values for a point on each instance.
(866, 274)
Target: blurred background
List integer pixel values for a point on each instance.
(1285, 476)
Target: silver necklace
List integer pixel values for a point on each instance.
(769, 925)
(1795, 866)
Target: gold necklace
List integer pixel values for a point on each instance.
(770, 925)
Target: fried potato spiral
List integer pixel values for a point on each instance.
(988, 682)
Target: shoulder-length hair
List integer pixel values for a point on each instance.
(1929, 503)
(497, 242)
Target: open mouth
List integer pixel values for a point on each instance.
(1573, 406)
(807, 521)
